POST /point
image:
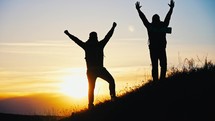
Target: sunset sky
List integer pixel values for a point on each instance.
(37, 57)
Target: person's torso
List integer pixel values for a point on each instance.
(156, 35)
(94, 55)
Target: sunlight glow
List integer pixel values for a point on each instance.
(74, 86)
(131, 28)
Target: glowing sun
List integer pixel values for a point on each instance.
(74, 86)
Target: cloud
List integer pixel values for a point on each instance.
(59, 43)
(39, 104)
(39, 48)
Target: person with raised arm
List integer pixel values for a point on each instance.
(157, 31)
(94, 56)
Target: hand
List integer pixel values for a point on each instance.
(66, 32)
(138, 5)
(114, 24)
(172, 4)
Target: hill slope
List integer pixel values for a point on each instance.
(184, 96)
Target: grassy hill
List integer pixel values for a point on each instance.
(186, 95)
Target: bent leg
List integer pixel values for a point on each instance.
(104, 74)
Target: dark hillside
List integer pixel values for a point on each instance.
(183, 96)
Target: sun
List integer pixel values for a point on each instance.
(74, 86)
(131, 28)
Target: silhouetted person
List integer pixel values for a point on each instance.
(157, 31)
(94, 56)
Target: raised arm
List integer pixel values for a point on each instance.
(109, 34)
(74, 38)
(141, 14)
(168, 16)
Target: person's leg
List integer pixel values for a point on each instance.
(154, 62)
(91, 85)
(104, 74)
(163, 64)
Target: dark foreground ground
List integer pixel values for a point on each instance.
(186, 96)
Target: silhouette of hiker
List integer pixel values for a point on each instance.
(157, 31)
(94, 56)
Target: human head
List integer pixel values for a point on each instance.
(155, 18)
(93, 36)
